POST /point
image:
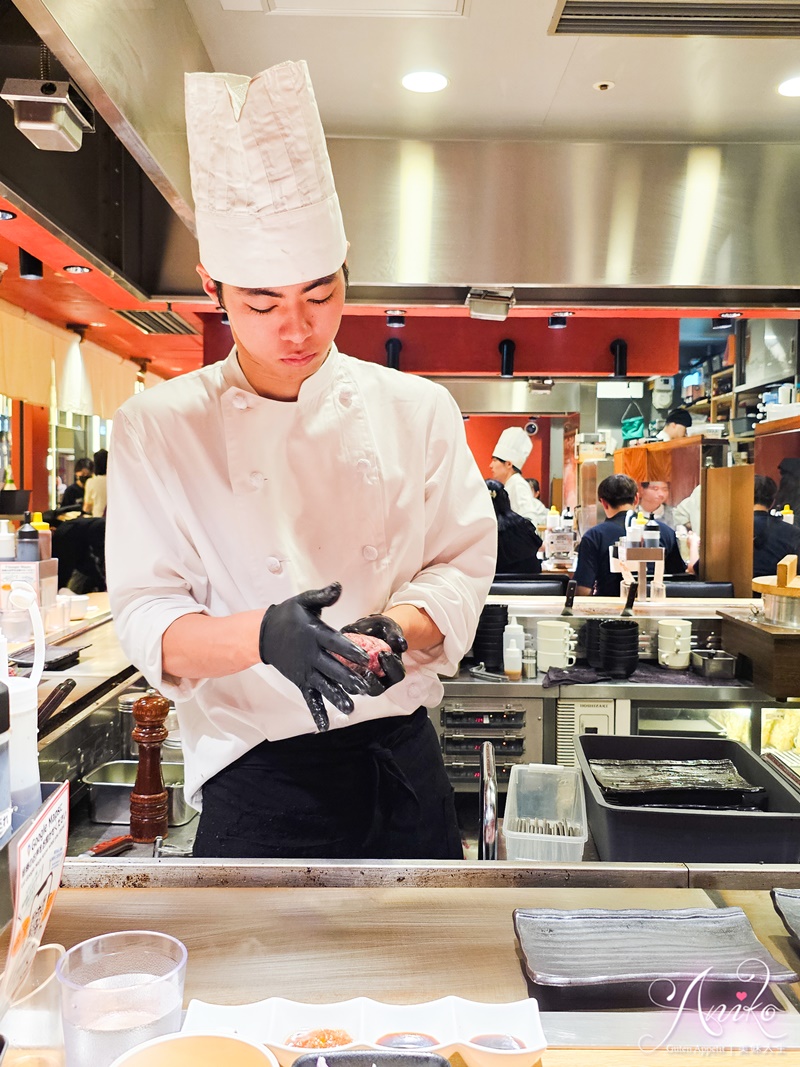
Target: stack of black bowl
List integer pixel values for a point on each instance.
(487, 647)
(589, 643)
(619, 647)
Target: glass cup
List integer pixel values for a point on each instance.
(117, 991)
(198, 1050)
(33, 1021)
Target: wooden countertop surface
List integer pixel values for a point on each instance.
(397, 945)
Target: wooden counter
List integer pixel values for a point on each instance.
(399, 945)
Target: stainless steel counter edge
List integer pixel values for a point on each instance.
(122, 873)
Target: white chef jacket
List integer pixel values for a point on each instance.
(222, 501)
(522, 499)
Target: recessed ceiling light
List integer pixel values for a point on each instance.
(6, 216)
(603, 87)
(76, 268)
(790, 87)
(425, 81)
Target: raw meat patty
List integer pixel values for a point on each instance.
(372, 645)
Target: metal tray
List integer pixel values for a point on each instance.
(640, 954)
(110, 787)
(787, 904)
(712, 664)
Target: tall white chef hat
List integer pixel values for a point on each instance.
(265, 204)
(513, 445)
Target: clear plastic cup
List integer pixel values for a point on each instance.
(117, 991)
(33, 1021)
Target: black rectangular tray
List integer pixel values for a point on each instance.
(681, 835)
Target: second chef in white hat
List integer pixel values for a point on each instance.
(508, 458)
(263, 507)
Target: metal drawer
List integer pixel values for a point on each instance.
(455, 744)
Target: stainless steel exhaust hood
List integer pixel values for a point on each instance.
(514, 396)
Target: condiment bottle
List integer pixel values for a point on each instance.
(8, 548)
(652, 534)
(513, 632)
(553, 518)
(636, 531)
(787, 515)
(45, 536)
(512, 662)
(28, 541)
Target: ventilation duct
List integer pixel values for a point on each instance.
(654, 18)
(163, 322)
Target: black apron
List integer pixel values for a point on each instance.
(374, 790)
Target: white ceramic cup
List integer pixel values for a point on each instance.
(674, 628)
(674, 644)
(549, 629)
(546, 660)
(553, 645)
(198, 1050)
(674, 660)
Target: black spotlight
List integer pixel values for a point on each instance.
(722, 324)
(224, 318)
(619, 350)
(507, 348)
(393, 346)
(395, 318)
(30, 267)
(557, 322)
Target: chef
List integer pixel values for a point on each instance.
(260, 505)
(508, 457)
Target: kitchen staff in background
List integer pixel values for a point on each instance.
(676, 425)
(231, 572)
(512, 449)
(653, 498)
(96, 488)
(540, 508)
(618, 495)
(772, 537)
(517, 540)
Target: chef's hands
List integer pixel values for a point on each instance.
(295, 640)
(386, 629)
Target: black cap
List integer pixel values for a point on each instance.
(680, 416)
(5, 709)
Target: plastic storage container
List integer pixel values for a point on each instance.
(681, 835)
(545, 791)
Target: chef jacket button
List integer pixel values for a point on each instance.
(345, 398)
(240, 402)
(274, 565)
(369, 552)
(363, 465)
(256, 479)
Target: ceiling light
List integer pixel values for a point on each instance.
(557, 321)
(6, 216)
(30, 267)
(507, 358)
(425, 81)
(77, 268)
(224, 318)
(490, 303)
(722, 323)
(395, 318)
(98, 325)
(790, 87)
(53, 115)
(603, 87)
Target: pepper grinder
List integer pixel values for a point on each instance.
(149, 796)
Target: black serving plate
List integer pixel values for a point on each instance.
(714, 784)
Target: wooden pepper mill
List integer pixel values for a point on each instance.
(149, 805)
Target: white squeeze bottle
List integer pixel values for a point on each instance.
(787, 514)
(512, 662)
(513, 632)
(23, 754)
(553, 519)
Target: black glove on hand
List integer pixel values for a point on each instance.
(386, 629)
(296, 642)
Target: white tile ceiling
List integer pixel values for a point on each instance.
(508, 78)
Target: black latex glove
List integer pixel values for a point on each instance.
(296, 642)
(387, 630)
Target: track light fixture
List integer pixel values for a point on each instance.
(393, 347)
(396, 318)
(79, 328)
(726, 320)
(619, 350)
(492, 304)
(558, 320)
(30, 267)
(507, 348)
(6, 216)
